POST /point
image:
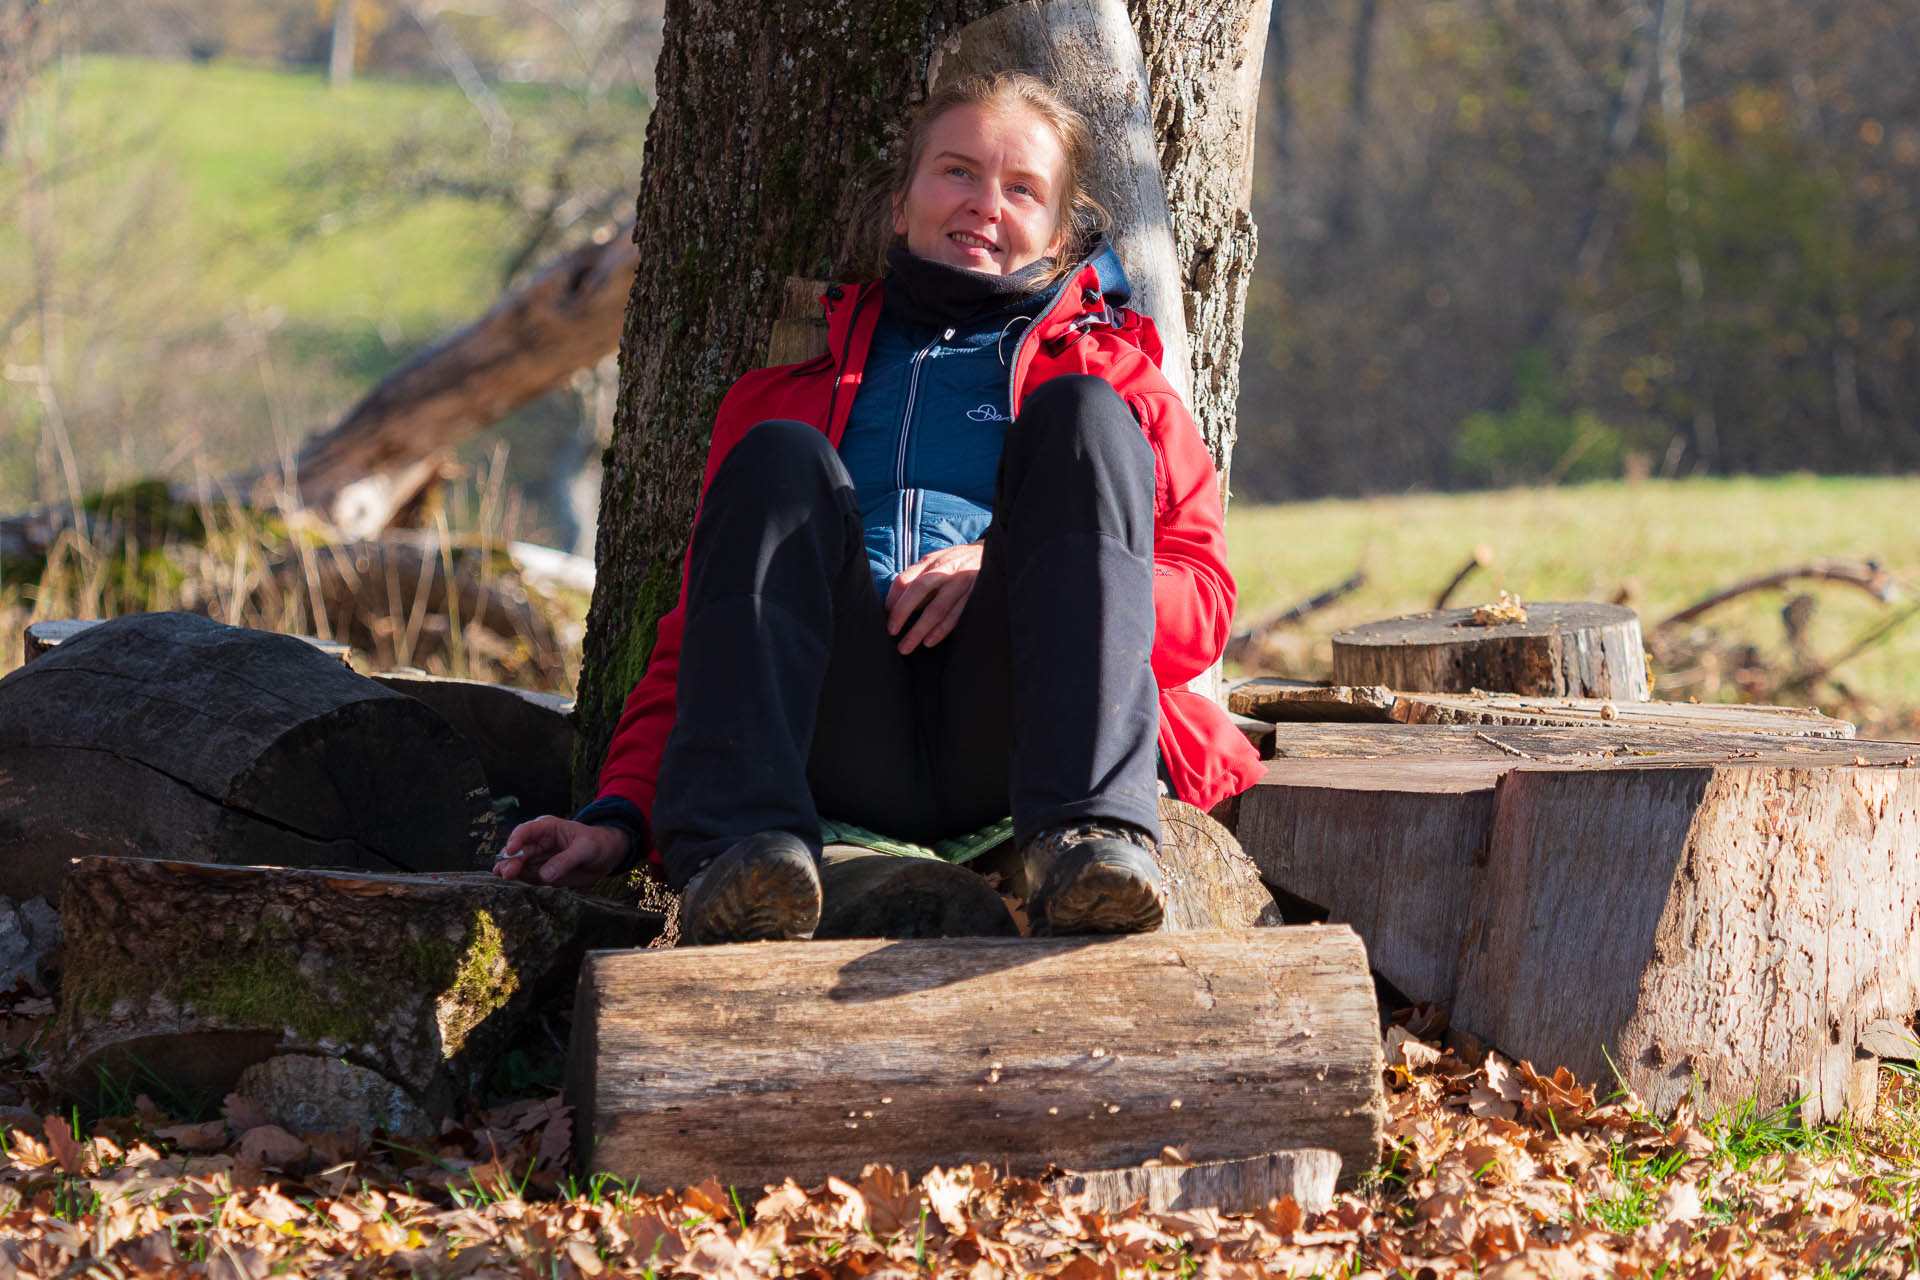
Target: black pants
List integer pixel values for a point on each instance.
(793, 700)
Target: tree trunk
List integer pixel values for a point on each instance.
(1024, 1052)
(816, 99)
(345, 36)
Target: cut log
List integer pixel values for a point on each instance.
(171, 736)
(523, 739)
(756, 1062)
(1723, 908)
(866, 894)
(1560, 651)
(49, 633)
(191, 973)
(1712, 717)
(1307, 1176)
(1274, 700)
(1211, 883)
(563, 318)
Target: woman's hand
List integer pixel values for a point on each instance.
(937, 585)
(550, 850)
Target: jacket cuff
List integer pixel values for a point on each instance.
(624, 815)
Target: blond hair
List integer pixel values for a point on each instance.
(1004, 93)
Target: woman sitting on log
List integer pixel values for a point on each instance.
(963, 564)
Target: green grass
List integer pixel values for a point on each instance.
(232, 254)
(1665, 544)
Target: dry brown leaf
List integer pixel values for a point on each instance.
(243, 1114)
(68, 1151)
(784, 1201)
(210, 1136)
(947, 1191)
(583, 1255)
(269, 1144)
(894, 1202)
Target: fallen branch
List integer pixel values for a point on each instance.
(1241, 641)
(1482, 557)
(1807, 678)
(1868, 575)
(390, 445)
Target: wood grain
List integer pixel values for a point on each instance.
(1603, 713)
(760, 1061)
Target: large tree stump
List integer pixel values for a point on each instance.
(171, 736)
(1730, 907)
(760, 1061)
(523, 739)
(1560, 651)
(49, 634)
(191, 973)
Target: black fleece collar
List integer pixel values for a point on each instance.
(924, 292)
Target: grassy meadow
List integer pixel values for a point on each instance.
(207, 262)
(1661, 544)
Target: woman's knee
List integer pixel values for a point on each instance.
(778, 455)
(1080, 418)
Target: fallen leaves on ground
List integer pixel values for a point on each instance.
(1492, 1169)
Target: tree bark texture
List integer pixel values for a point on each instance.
(1723, 907)
(194, 973)
(766, 124)
(171, 736)
(760, 1061)
(1556, 651)
(563, 318)
(1203, 62)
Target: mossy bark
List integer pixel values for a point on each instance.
(768, 120)
(190, 973)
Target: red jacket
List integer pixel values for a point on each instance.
(1206, 757)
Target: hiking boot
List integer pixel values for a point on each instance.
(1093, 878)
(764, 887)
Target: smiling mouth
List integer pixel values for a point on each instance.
(967, 240)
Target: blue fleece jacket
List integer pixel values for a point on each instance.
(923, 438)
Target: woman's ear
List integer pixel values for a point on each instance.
(899, 215)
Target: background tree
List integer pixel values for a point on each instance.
(766, 129)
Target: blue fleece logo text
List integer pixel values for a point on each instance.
(988, 413)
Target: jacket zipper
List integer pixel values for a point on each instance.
(907, 536)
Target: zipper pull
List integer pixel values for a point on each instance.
(947, 336)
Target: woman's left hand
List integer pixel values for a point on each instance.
(937, 585)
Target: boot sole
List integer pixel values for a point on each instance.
(1106, 897)
(766, 898)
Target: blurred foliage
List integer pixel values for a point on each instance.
(1444, 190)
(1537, 439)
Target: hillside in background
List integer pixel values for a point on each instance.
(1500, 243)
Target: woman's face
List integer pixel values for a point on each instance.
(986, 192)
